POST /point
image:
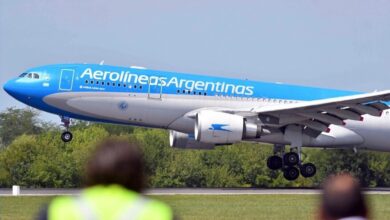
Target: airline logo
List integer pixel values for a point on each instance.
(219, 127)
(178, 83)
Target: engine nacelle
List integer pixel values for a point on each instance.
(223, 128)
(186, 141)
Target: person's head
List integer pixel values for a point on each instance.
(342, 197)
(116, 161)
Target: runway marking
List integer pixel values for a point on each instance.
(186, 191)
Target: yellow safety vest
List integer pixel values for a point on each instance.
(111, 202)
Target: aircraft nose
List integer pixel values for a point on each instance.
(9, 87)
(6, 87)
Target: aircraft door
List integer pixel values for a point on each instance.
(66, 79)
(155, 88)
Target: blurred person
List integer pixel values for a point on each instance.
(114, 179)
(342, 199)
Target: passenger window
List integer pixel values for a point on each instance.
(29, 75)
(36, 76)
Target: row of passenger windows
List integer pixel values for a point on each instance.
(190, 92)
(112, 84)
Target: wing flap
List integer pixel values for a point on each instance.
(317, 115)
(331, 103)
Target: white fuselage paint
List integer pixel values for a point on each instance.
(173, 112)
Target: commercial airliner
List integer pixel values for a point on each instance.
(202, 112)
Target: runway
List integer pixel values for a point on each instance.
(190, 191)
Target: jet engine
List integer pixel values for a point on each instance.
(224, 128)
(187, 141)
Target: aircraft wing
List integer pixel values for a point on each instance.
(317, 115)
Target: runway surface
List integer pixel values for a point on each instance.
(188, 191)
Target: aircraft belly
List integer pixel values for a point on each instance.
(138, 109)
(374, 130)
(116, 108)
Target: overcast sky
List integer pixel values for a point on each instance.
(335, 44)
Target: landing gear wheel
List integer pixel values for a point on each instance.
(274, 162)
(291, 159)
(66, 136)
(291, 173)
(308, 170)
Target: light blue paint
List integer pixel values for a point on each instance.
(68, 77)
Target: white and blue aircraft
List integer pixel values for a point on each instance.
(202, 112)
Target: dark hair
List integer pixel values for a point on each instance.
(342, 197)
(116, 161)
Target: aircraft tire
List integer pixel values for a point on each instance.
(291, 159)
(66, 136)
(274, 162)
(291, 173)
(308, 170)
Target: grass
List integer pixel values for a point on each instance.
(214, 207)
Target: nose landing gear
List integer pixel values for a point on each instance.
(66, 136)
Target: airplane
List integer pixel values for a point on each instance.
(202, 112)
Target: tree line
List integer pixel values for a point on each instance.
(33, 155)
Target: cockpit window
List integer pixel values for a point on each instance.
(30, 75)
(23, 75)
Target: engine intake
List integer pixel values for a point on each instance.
(224, 128)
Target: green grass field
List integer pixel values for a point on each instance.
(214, 207)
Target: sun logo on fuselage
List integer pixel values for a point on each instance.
(123, 106)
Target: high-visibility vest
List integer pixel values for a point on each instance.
(111, 202)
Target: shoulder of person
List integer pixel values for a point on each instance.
(156, 209)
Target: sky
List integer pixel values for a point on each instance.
(332, 44)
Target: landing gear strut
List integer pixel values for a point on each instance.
(66, 136)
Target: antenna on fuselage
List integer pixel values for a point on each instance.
(101, 62)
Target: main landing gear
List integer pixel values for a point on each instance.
(66, 136)
(290, 163)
